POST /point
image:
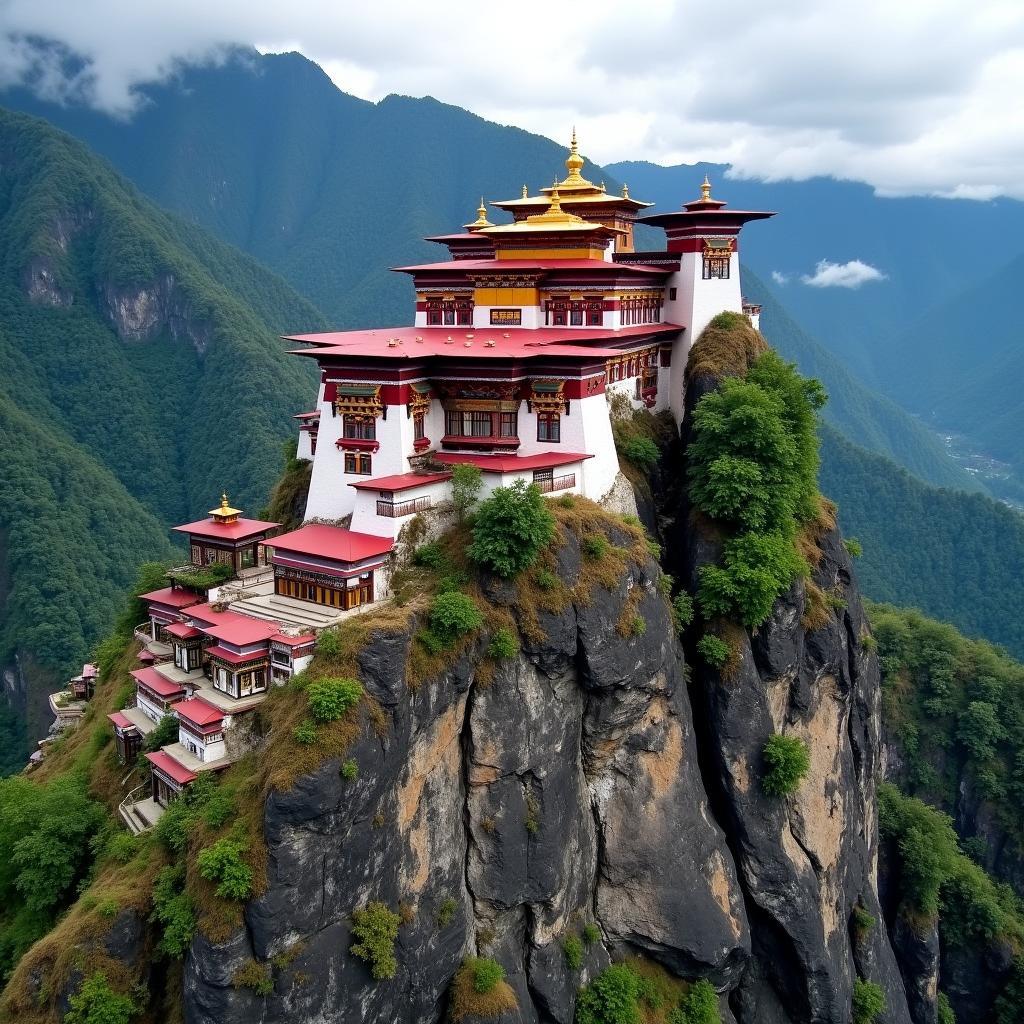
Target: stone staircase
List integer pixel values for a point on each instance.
(287, 611)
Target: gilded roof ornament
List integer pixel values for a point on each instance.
(526, 192)
(224, 511)
(625, 191)
(705, 191)
(481, 218)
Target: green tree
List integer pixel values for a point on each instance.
(786, 762)
(97, 1003)
(510, 528)
(374, 929)
(611, 998)
(466, 483)
(868, 1001)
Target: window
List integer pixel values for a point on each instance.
(576, 316)
(357, 463)
(594, 314)
(716, 267)
(548, 426)
(672, 294)
(360, 427)
(449, 316)
(508, 424)
(480, 424)
(449, 312)
(464, 311)
(419, 430)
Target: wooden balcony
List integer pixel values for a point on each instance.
(397, 509)
(557, 483)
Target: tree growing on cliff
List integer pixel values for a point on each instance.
(787, 762)
(466, 483)
(375, 928)
(510, 528)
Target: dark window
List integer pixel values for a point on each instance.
(479, 425)
(508, 424)
(548, 426)
(357, 463)
(672, 294)
(418, 426)
(716, 268)
(576, 317)
(360, 427)
(433, 318)
(465, 316)
(449, 317)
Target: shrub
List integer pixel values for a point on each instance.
(466, 483)
(637, 626)
(504, 643)
(172, 908)
(946, 1014)
(713, 649)
(595, 546)
(121, 846)
(682, 611)
(469, 1000)
(862, 921)
(165, 733)
(641, 451)
(429, 556)
(868, 1001)
(787, 762)
(545, 579)
(854, 547)
(446, 911)
(591, 933)
(97, 1003)
(375, 929)
(328, 643)
(510, 528)
(567, 501)
(256, 976)
(349, 769)
(572, 946)
(305, 732)
(108, 907)
(487, 973)
(698, 1006)
(611, 998)
(453, 615)
(329, 699)
(222, 863)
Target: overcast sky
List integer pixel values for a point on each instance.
(911, 96)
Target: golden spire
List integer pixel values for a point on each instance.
(625, 191)
(705, 191)
(574, 163)
(481, 218)
(526, 192)
(224, 512)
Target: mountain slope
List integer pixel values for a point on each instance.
(861, 415)
(958, 557)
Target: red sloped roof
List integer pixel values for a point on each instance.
(172, 596)
(89, 671)
(400, 481)
(293, 641)
(152, 679)
(242, 631)
(146, 656)
(181, 775)
(332, 542)
(120, 721)
(182, 630)
(238, 530)
(512, 463)
(232, 658)
(205, 615)
(198, 711)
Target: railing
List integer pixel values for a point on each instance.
(397, 509)
(558, 483)
(143, 632)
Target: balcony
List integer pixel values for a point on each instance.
(485, 441)
(557, 483)
(397, 509)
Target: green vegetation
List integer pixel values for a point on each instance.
(504, 643)
(202, 577)
(753, 466)
(572, 947)
(466, 483)
(255, 976)
(329, 699)
(786, 762)
(945, 1011)
(446, 911)
(863, 922)
(510, 528)
(173, 910)
(222, 863)
(714, 650)
(480, 990)
(453, 615)
(375, 928)
(853, 547)
(349, 769)
(611, 998)
(698, 1006)
(595, 546)
(641, 451)
(487, 974)
(97, 1003)
(305, 732)
(429, 556)
(591, 933)
(868, 1002)
(641, 992)
(682, 611)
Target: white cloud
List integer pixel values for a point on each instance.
(842, 275)
(911, 98)
(780, 278)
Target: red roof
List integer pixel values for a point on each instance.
(197, 711)
(238, 530)
(120, 721)
(401, 481)
(181, 775)
(307, 415)
(206, 615)
(332, 542)
(470, 342)
(153, 680)
(461, 266)
(172, 596)
(242, 630)
(512, 463)
(89, 671)
(232, 657)
(293, 641)
(182, 630)
(146, 656)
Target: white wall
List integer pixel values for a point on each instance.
(305, 446)
(366, 520)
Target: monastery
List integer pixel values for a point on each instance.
(519, 340)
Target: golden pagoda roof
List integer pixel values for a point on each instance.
(481, 218)
(225, 511)
(554, 218)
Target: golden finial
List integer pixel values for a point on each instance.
(574, 162)
(625, 191)
(556, 201)
(224, 500)
(705, 191)
(481, 217)
(224, 512)
(601, 186)
(526, 192)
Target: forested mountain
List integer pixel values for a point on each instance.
(957, 556)
(142, 375)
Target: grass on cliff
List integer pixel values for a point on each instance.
(288, 498)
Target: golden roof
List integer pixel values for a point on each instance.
(554, 218)
(481, 218)
(225, 511)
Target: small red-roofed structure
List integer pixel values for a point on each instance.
(226, 538)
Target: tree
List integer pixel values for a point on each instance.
(510, 529)
(466, 483)
(787, 763)
(97, 1003)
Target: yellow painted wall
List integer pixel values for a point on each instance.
(505, 296)
(550, 254)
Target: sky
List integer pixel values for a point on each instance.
(911, 97)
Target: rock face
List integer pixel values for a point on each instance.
(142, 312)
(500, 818)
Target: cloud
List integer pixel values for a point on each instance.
(842, 275)
(911, 100)
(780, 278)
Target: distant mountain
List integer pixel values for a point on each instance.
(142, 375)
(927, 248)
(957, 557)
(326, 189)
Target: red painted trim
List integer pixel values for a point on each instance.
(357, 444)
